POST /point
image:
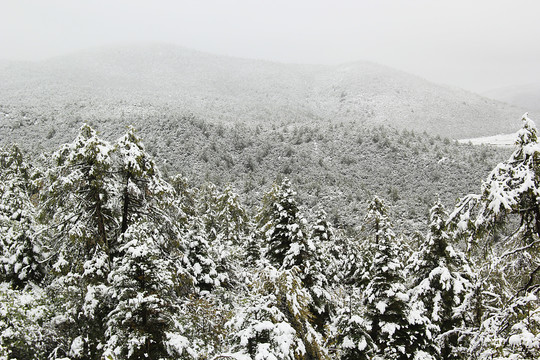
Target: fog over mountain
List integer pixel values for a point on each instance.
(524, 96)
(231, 90)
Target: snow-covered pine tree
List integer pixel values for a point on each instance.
(505, 217)
(77, 198)
(142, 286)
(289, 246)
(397, 332)
(503, 226)
(197, 256)
(443, 287)
(22, 251)
(143, 190)
(350, 339)
(226, 225)
(274, 320)
(231, 218)
(17, 171)
(24, 318)
(252, 251)
(281, 224)
(315, 267)
(77, 205)
(21, 254)
(185, 198)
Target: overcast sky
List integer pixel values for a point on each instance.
(474, 44)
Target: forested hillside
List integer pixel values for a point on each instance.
(105, 256)
(338, 165)
(127, 82)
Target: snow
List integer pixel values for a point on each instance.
(348, 343)
(176, 343)
(362, 344)
(502, 140)
(381, 306)
(416, 316)
(264, 325)
(526, 339)
(77, 347)
(389, 328)
(422, 355)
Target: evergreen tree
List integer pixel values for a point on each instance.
(197, 257)
(503, 227)
(24, 318)
(511, 332)
(15, 170)
(226, 225)
(274, 322)
(231, 220)
(142, 286)
(143, 190)
(442, 287)
(313, 271)
(21, 248)
(252, 251)
(185, 198)
(397, 332)
(78, 206)
(78, 198)
(282, 225)
(352, 341)
(508, 208)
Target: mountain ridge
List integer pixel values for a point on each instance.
(525, 96)
(230, 90)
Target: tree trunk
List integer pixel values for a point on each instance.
(125, 207)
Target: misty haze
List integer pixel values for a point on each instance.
(269, 180)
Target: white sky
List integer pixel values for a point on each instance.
(474, 44)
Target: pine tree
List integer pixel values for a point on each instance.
(397, 332)
(281, 224)
(226, 225)
(231, 219)
(314, 269)
(503, 228)
(197, 257)
(21, 248)
(352, 341)
(24, 318)
(274, 321)
(509, 205)
(142, 286)
(77, 205)
(78, 198)
(442, 281)
(143, 188)
(17, 171)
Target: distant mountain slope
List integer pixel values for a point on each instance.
(339, 166)
(526, 96)
(133, 79)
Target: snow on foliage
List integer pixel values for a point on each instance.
(141, 284)
(503, 232)
(274, 321)
(443, 282)
(103, 258)
(394, 332)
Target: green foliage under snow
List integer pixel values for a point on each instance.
(102, 256)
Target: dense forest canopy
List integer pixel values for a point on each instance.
(104, 257)
(337, 164)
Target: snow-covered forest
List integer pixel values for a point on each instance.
(103, 257)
